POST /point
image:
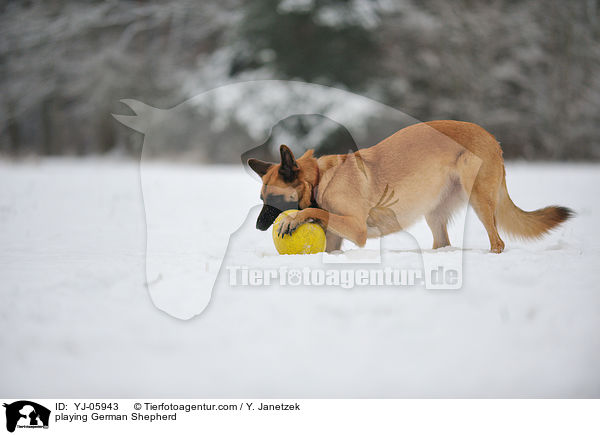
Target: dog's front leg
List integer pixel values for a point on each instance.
(334, 242)
(348, 227)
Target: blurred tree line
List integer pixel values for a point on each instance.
(528, 71)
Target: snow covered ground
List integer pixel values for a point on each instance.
(77, 319)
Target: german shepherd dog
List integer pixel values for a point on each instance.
(427, 169)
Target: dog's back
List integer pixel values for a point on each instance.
(429, 169)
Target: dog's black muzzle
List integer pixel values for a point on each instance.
(267, 216)
(270, 211)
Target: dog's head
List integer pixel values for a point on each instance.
(285, 186)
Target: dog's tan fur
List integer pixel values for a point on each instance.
(427, 169)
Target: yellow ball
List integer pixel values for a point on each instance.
(309, 238)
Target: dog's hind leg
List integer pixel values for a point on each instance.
(485, 208)
(482, 186)
(437, 224)
(438, 218)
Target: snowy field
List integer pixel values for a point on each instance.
(77, 319)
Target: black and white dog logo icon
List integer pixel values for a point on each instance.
(26, 414)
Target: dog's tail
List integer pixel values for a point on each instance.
(528, 224)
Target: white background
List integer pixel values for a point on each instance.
(357, 417)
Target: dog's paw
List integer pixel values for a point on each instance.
(289, 224)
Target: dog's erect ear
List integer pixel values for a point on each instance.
(289, 168)
(259, 166)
